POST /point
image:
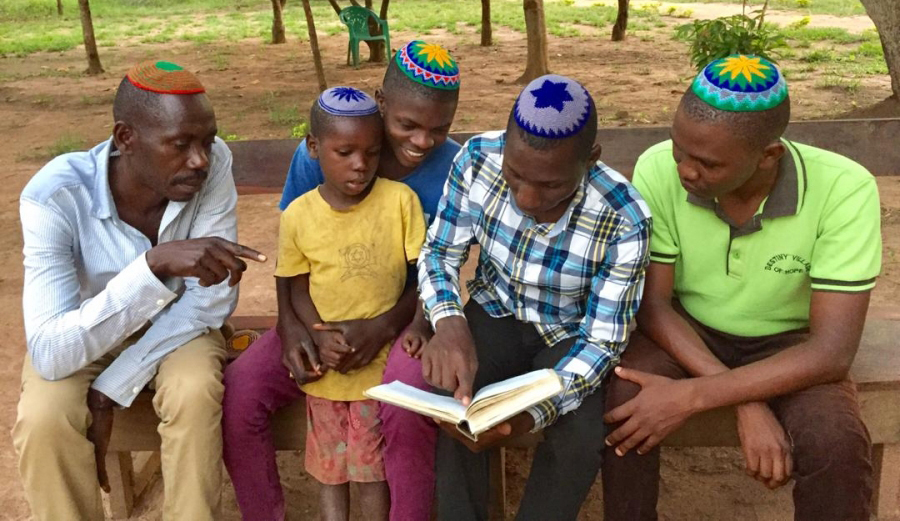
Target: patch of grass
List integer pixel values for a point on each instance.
(834, 7)
(828, 34)
(849, 85)
(64, 144)
(818, 56)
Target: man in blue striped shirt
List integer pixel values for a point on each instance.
(127, 247)
(563, 247)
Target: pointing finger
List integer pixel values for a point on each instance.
(240, 250)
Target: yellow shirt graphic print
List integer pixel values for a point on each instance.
(357, 262)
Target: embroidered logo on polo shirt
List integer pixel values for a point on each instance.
(788, 264)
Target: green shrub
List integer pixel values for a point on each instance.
(710, 40)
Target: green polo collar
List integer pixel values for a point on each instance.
(786, 197)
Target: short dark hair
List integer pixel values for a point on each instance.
(396, 82)
(132, 104)
(584, 139)
(320, 121)
(756, 128)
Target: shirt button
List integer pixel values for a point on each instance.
(736, 255)
(136, 390)
(519, 304)
(160, 302)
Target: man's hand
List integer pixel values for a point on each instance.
(511, 428)
(100, 430)
(365, 336)
(210, 259)
(660, 407)
(296, 349)
(767, 449)
(449, 360)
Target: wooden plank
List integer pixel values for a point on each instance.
(121, 483)
(261, 166)
(134, 428)
(886, 498)
(149, 465)
(497, 493)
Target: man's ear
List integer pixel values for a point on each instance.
(312, 146)
(379, 98)
(771, 155)
(123, 137)
(596, 150)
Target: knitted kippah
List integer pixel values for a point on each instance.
(428, 64)
(164, 78)
(741, 83)
(347, 101)
(553, 106)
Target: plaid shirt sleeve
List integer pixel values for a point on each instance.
(447, 245)
(603, 333)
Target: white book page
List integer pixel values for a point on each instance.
(516, 382)
(416, 400)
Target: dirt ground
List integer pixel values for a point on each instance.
(43, 97)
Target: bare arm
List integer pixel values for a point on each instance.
(668, 329)
(836, 323)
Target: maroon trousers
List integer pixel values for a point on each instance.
(831, 446)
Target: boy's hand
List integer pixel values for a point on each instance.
(416, 337)
(333, 348)
(366, 337)
(298, 352)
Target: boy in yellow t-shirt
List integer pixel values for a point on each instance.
(347, 248)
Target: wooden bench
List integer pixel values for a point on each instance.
(260, 168)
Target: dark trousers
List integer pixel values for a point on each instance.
(831, 446)
(565, 463)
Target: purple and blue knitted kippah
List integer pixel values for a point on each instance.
(347, 101)
(553, 106)
(741, 83)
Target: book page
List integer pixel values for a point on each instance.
(516, 382)
(397, 393)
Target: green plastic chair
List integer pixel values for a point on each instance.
(356, 18)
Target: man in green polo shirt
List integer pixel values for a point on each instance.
(763, 255)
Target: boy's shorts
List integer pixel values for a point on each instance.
(343, 441)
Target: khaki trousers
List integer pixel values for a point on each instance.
(56, 461)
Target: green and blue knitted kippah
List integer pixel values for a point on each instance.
(164, 78)
(741, 83)
(347, 101)
(553, 106)
(428, 64)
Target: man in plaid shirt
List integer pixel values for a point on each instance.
(563, 248)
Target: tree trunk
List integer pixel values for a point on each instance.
(335, 6)
(278, 22)
(618, 32)
(536, 30)
(886, 16)
(486, 35)
(376, 48)
(90, 44)
(314, 45)
(59, 10)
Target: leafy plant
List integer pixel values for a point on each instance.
(717, 38)
(300, 130)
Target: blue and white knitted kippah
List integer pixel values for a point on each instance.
(347, 101)
(553, 106)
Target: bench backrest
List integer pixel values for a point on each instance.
(261, 166)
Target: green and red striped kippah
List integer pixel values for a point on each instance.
(164, 78)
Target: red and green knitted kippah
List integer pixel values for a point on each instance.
(164, 78)
(428, 64)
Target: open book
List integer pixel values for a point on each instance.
(490, 406)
